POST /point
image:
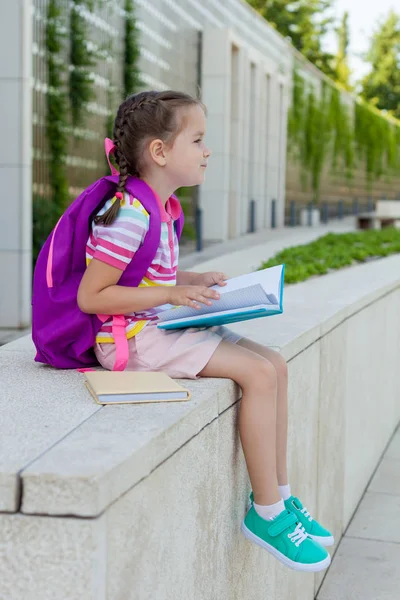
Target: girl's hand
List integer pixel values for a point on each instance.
(211, 278)
(191, 295)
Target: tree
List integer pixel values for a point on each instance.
(341, 65)
(382, 85)
(305, 23)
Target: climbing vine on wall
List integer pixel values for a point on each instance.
(323, 130)
(56, 119)
(131, 73)
(81, 59)
(132, 80)
(377, 141)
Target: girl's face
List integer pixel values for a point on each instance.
(186, 160)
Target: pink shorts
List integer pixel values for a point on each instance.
(181, 353)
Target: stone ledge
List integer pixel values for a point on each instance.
(75, 458)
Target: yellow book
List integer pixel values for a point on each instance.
(133, 387)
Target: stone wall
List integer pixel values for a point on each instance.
(145, 502)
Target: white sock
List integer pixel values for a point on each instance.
(284, 491)
(271, 511)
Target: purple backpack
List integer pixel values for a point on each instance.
(64, 336)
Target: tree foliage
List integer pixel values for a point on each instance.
(305, 23)
(341, 66)
(381, 86)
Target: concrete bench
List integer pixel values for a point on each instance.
(140, 502)
(387, 214)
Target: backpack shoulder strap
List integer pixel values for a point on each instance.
(143, 258)
(146, 253)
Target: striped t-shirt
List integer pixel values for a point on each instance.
(116, 245)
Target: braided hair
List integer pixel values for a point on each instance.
(141, 118)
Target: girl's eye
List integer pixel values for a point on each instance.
(198, 141)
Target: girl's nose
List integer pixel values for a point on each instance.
(207, 152)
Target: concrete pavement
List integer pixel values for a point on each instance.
(366, 564)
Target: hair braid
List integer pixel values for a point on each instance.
(119, 129)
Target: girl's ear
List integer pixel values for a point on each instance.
(158, 153)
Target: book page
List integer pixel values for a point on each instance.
(269, 279)
(238, 298)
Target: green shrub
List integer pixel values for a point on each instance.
(335, 251)
(45, 215)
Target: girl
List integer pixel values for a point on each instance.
(159, 137)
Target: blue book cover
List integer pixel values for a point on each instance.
(251, 296)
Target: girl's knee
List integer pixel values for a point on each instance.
(261, 372)
(281, 366)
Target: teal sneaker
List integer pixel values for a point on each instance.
(313, 528)
(286, 539)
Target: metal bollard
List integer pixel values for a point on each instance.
(340, 209)
(355, 206)
(370, 204)
(252, 224)
(199, 231)
(309, 214)
(325, 212)
(293, 219)
(273, 214)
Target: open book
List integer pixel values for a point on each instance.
(258, 294)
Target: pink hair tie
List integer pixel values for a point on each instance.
(119, 195)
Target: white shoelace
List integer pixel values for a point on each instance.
(298, 536)
(306, 514)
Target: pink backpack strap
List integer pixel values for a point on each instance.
(49, 268)
(121, 343)
(109, 147)
(118, 329)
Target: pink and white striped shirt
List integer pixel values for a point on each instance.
(117, 244)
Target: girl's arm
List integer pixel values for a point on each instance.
(187, 278)
(99, 293)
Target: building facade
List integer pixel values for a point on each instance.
(219, 49)
(243, 68)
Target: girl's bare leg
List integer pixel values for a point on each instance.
(281, 406)
(257, 419)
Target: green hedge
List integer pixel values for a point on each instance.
(335, 251)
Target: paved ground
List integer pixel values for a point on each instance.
(366, 564)
(8, 335)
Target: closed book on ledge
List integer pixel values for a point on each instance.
(251, 296)
(133, 387)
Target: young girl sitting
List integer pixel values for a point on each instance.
(159, 138)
